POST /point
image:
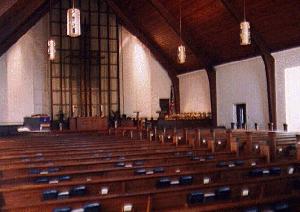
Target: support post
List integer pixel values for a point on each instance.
(272, 145)
(249, 144)
(211, 73)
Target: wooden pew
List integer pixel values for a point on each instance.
(174, 197)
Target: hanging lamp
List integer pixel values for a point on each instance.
(245, 37)
(51, 49)
(181, 52)
(73, 22)
(51, 42)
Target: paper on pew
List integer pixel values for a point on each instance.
(231, 165)
(291, 170)
(63, 194)
(78, 210)
(104, 190)
(149, 172)
(266, 171)
(206, 180)
(209, 194)
(53, 181)
(174, 182)
(127, 208)
(245, 192)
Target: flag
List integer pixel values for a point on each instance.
(172, 102)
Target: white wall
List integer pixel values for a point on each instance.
(242, 82)
(143, 81)
(194, 92)
(23, 72)
(292, 97)
(284, 60)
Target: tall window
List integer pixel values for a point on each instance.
(85, 73)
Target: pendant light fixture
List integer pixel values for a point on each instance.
(73, 22)
(51, 42)
(51, 49)
(245, 30)
(181, 48)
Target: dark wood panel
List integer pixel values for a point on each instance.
(208, 22)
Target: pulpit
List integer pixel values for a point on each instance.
(88, 123)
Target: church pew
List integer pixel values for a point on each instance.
(166, 157)
(181, 165)
(143, 182)
(104, 144)
(117, 150)
(70, 155)
(282, 145)
(176, 196)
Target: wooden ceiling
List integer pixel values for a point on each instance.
(17, 17)
(210, 27)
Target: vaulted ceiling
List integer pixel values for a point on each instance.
(210, 27)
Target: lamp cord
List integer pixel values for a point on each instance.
(244, 10)
(180, 19)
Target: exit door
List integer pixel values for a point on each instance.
(241, 115)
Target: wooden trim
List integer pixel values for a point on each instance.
(211, 73)
(90, 61)
(71, 76)
(60, 57)
(100, 64)
(108, 62)
(118, 67)
(271, 87)
(50, 64)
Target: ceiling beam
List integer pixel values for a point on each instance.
(5, 5)
(201, 54)
(155, 49)
(212, 79)
(267, 58)
(186, 35)
(18, 19)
